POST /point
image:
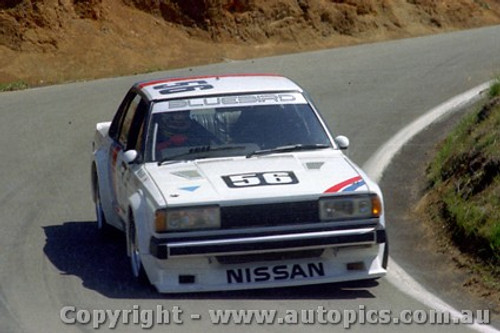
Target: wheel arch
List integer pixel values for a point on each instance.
(98, 174)
(136, 212)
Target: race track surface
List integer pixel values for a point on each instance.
(51, 255)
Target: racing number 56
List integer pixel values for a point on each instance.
(178, 87)
(260, 179)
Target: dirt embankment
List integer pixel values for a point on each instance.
(47, 41)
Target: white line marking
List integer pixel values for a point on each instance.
(375, 167)
(378, 162)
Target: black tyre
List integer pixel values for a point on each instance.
(385, 258)
(103, 227)
(135, 259)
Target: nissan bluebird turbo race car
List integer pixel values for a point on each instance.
(234, 182)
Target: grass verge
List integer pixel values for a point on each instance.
(464, 187)
(18, 85)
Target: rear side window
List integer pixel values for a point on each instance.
(128, 117)
(118, 118)
(127, 126)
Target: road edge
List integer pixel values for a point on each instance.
(375, 167)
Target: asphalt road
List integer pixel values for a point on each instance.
(51, 256)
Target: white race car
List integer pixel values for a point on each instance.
(234, 182)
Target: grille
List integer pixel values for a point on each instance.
(275, 214)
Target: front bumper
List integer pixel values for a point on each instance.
(196, 274)
(251, 241)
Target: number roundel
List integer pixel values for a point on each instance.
(260, 179)
(185, 86)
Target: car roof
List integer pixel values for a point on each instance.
(196, 86)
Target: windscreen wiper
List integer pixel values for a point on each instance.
(197, 150)
(289, 148)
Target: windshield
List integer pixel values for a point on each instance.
(195, 129)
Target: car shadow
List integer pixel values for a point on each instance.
(77, 249)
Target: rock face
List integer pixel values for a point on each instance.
(45, 41)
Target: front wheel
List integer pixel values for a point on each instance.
(385, 258)
(135, 258)
(102, 226)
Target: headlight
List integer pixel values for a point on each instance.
(349, 207)
(178, 219)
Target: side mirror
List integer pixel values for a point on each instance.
(130, 156)
(342, 142)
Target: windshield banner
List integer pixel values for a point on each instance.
(229, 101)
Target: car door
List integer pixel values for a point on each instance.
(128, 136)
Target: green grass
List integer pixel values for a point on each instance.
(495, 89)
(466, 174)
(18, 85)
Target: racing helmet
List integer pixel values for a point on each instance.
(177, 121)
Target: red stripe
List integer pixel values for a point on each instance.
(149, 83)
(339, 186)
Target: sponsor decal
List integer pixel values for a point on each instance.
(260, 179)
(141, 174)
(218, 101)
(190, 188)
(275, 273)
(114, 155)
(348, 185)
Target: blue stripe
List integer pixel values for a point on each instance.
(354, 186)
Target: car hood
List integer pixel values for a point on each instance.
(267, 178)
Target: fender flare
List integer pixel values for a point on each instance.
(98, 173)
(99, 180)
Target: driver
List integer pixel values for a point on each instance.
(177, 129)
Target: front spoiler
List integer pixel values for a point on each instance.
(200, 274)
